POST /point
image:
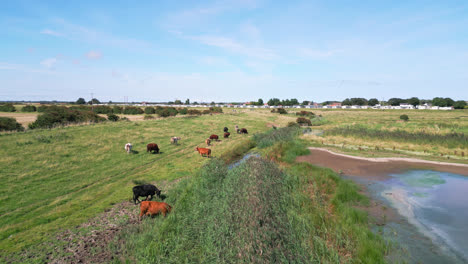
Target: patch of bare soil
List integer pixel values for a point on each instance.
(88, 242)
(375, 168)
(23, 118)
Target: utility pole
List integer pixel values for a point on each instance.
(92, 105)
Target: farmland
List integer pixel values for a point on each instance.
(56, 179)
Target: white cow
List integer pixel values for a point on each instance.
(128, 147)
(175, 140)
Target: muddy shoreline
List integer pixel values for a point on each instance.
(375, 168)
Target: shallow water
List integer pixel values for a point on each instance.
(435, 206)
(244, 158)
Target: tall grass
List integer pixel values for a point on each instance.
(450, 140)
(270, 137)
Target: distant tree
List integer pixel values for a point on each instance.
(346, 102)
(372, 102)
(94, 101)
(170, 103)
(9, 107)
(110, 102)
(294, 102)
(306, 102)
(442, 102)
(274, 101)
(459, 104)
(195, 103)
(449, 101)
(286, 102)
(80, 101)
(260, 101)
(358, 101)
(413, 101)
(178, 102)
(187, 102)
(149, 110)
(395, 101)
(213, 103)
(28, 108)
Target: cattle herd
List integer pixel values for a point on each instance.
(152, 208)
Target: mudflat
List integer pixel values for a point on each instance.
(375, 168)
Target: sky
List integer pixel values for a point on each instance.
(233, 50)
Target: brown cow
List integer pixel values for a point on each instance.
(243, 131)
(208, 141)
(227, 134)
(152, 147)
(152, 208)
(214, 137)
(204, 151)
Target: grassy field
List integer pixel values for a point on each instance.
(58, 178)
(429, 134)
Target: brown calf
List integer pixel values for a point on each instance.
(152, 208)
(208, 141)
(204, 151)
(227, 134)
(214, 137)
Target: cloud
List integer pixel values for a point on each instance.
(51, 32)
(21, 68)
(319, 53)
(232, 45)
(94, 55)
(49, 63)
(80, 33)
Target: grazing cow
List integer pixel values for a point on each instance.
(152, 147)
(145, 190)
(128, 147)
(243, 131)
(214, 137)
(152, 208)
(175, 140)
(237, 129)
(227, 134)
(208, 141)
(225, 130)
(204, 151)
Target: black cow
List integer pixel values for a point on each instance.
(243, 131)
(145, 190)
(225, 129)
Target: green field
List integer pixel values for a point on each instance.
(53, 179)
(57, 179)
(428, 134)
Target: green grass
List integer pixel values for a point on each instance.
(450, 140)
(59, 178)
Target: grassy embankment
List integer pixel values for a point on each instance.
(56, 179)
(258, 213)
(427, 134)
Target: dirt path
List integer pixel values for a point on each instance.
(375, 168)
